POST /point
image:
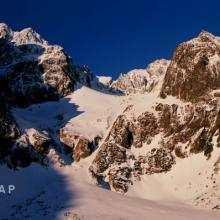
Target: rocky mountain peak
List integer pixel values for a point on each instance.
(142, 80)
(193, 73)
(31, 70)
(5, 31)
(158, 67)
(206, 36)
(132, 82)
(28, 36)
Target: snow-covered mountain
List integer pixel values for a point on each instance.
(70, 139)
(142, 80)
(31, 70)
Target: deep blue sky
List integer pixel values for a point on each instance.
(113, 36)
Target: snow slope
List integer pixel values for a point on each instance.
(66, 193)
(189, 181)
(86, 112)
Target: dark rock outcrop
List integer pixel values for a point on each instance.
(31, 147)
(83, 149)
(9, 130)
(157, 160)
(111, 161)
(41, 142)
(119, 178)
(182, 130)
(194, 70)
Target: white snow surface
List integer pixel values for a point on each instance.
(105, 80)
(69, 193)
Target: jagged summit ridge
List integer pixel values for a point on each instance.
(142, 80)
(32, 70)
(132, 82)
(25, 36)
(28, 36)
(207, 36)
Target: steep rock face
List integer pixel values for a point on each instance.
(142, 80)
(32, 146)
(144, 129)
(80, 147)
(31, 70)
(114, 161)
(194, 70)
(9, 130)
(114, 148)
(84, 75)
(157, 71)
(57, 69)
(168, 132)
(157, 160)
(189, 128)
